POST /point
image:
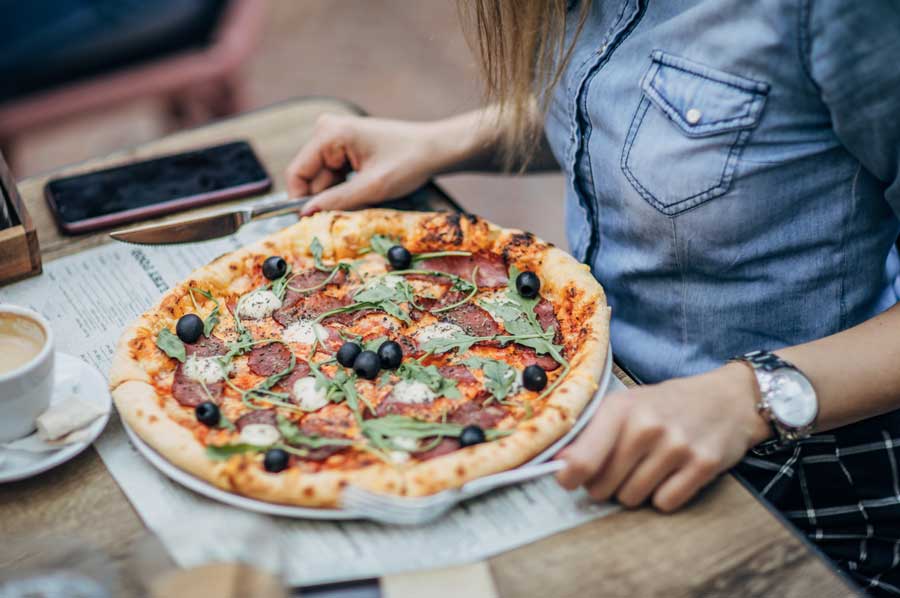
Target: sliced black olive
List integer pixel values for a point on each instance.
(189, 328)
(367, 364)
(348, 353)
(207, 413)
(534, 378)
(274, 267)
(471, 435)
(390, 354)
(276, 460)
(399, 257)
(528, 284)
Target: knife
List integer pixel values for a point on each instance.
(208, 226)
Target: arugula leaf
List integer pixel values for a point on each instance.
(380, 244)
(171, 345)
(499, 376)
(225, 424)
(209, 324)
(225, 451)
(315, 248)
(373, 344)
(430, 376)
(279, 285)
(381, 295)
(459, 341)
(381, 430)
(342, 387)
(292, 435)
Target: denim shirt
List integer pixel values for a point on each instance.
(732, 171)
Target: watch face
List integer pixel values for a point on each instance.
(791, 397)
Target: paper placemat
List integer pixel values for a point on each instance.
(91, 296)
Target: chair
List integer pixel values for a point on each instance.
(195, 85)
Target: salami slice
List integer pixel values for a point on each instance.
(190, 393)
(261, 416)
(297, 306)
(460, 373)
(310, 279)
(206, 346)
(472, 413)
(547, 318)
(332, 421)
(491, 268)
(269, 359)
(472, 319)
(530, 357)
(445, 446)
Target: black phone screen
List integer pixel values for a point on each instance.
(205, 173)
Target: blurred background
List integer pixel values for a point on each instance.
(103, 83)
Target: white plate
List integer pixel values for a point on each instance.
(259, 506)
(92, 386)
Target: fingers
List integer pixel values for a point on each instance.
(639, 439)
(651, 472)
(326, 151)
(589, 452)
(356, 191)
(322, 181)
(684, 484)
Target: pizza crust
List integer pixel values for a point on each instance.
(568, 284)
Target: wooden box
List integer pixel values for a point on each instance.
(20, 255)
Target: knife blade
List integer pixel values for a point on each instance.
(208, 226)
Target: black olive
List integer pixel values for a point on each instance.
(276, 460)
(471, 435)
(528, 284)
(348, 353)
(367, 364)
(390, 354)
(274, 267)
(399, 257)
(534, 378)
(189, 328)
(207, 413)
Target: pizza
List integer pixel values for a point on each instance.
(401, 352)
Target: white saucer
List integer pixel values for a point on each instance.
(92, 386)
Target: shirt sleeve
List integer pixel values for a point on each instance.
(852, 50)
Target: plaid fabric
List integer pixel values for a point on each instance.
(842, 489)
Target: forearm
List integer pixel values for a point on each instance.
(856, 373)
(471, 142)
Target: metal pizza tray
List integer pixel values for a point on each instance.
(251, 504)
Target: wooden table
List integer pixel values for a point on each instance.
(726, 543)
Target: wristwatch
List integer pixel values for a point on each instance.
(786, 400)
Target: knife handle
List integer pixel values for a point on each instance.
(277, 207)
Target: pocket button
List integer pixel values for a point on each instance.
(693, 116)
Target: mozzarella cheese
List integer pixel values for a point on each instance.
(437, 330)
(405, 443)
(516, 386)
(398, 457)
(308, 396)
(412, 392)
(260, 434)
(204, 369)
(305, 332)
(259, 304)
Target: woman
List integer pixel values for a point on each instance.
(732, 180)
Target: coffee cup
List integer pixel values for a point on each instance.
(26, 370)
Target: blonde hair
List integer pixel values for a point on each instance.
(522, 52)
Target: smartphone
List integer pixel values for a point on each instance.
(140, 190)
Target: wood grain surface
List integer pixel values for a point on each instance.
(726, 543)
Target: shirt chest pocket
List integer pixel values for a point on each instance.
(688, 131)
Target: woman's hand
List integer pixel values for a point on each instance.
(666, 440)
(389, 158)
